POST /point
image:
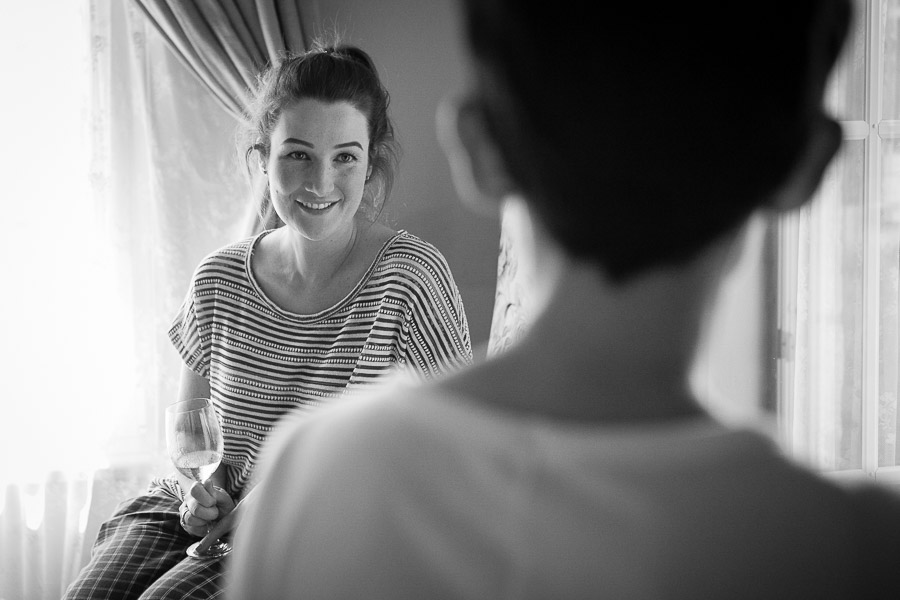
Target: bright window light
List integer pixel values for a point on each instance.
(58, 356)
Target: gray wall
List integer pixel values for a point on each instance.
(416, 47)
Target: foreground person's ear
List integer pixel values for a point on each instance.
(475, 163)
(831, 26)
(822, 145)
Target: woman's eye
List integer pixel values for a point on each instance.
(346, 157)
(297, 154)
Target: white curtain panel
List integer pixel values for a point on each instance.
(100, 242)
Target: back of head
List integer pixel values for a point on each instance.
(643, 132)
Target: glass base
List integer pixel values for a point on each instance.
(218, 549)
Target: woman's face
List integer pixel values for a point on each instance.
(317, 167)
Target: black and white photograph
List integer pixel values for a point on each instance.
(450, 299)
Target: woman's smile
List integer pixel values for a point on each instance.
(317, 167)
(316, 206)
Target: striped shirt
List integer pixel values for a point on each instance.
(262, 361)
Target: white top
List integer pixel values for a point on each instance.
(415, 494)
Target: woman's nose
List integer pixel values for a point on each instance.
(320, 179)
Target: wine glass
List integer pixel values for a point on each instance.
(195, 445)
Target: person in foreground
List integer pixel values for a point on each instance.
(293, 317)
(634, 147)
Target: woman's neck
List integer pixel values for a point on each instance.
(311, 262)
(306, 277)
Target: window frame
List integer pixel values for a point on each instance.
(873, 130)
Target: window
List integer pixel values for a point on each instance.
(838, 355)
(121, 176)
(50, 255)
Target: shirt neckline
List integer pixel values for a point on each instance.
(310, 317)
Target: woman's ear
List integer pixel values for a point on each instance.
(822, 145)
(261, 156)
(478, 172)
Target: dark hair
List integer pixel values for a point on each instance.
(329, 72)
(642, 133)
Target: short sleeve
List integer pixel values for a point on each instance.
(185, 335)
(438, 330)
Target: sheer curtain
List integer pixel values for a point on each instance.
(123, 176)
(822, 278)
(52, 265)
(822, 376)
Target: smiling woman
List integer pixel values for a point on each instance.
(303, 314)
(318, 166)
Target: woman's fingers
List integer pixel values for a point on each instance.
(224, 502)
(202, 503)
(208, 502)
(200, 494)
(192, 524)
(198, 512)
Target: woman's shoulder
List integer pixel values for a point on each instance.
(239, 248)
(407, 253)
(230, 256)
(405, 242)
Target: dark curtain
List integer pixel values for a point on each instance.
(226, 43)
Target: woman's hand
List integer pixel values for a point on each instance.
(204, 504)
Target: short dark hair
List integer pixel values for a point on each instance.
(330, 72)
(641, 133)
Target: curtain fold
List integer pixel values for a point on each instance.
(513, 311)
(42, 528)
(822, 321)
(226, 43)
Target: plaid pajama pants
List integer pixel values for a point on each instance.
(140, 553)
